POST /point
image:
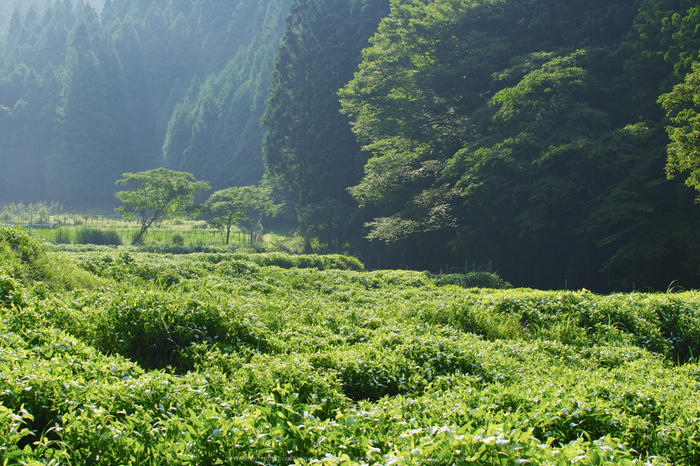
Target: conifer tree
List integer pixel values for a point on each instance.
(311, 157)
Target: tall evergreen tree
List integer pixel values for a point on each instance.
(92, 147)
(311, 156)
(214, 131)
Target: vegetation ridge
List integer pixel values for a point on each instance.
(216, 359)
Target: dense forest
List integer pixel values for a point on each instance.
(550, 141)
(523, 136)
(87, 96)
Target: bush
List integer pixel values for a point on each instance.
(178, 239)
(485, 280)
(304, 261)
(10, 292)
(472, 280)
(27, 260)
(22, 256)
(27, 248)
(263, 361)
(63, 236)
(89, 235)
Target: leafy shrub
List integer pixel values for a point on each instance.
(10, 292)
(156, 328)
(178, 239)
(124, 267)
(304, 261)
(236, 268)
(215, 254)
(63, 236)
(337, 364)
(28, 261)
(165, 248)
(27, 248)
(366, 374)
(472, 280)
(24, 257)
(88, 235)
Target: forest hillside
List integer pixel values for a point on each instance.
(551, 142)
(87, 94)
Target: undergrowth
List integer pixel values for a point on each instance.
(132, 357)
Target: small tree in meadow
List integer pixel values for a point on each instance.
(156, 195)
(231, 206)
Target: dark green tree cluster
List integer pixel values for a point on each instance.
(215, 131)
(87, 94)
(524, 134)
(311, 156)
(528, 133)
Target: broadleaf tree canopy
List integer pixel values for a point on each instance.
(157, 195)
(231, 206)
(682, 105)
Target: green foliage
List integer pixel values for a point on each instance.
(539, 157)
(156, 195)
(124, 267)
(471, 280)
(527, 133)
(63, 236)
(92, 147)
(87, 235)
(178, 239)
(10, 292)
(310, 155)
(25, 259)
(230, 206)
(321, 262)
(214, 130)
(85, 97)
(681, 106)
(195, 359)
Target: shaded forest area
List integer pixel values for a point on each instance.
(522, 135)
(526, 136)
(85, 97)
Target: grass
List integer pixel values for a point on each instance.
(184, 233)
(228, 357)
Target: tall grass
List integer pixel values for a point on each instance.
(88, 235)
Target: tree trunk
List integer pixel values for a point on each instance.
(137, 238)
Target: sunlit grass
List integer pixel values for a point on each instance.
(186, 233)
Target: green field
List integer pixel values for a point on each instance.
(186, 233)
(58, 226)
(116, 356)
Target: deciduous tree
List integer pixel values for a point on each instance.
(156, 195)
(232, 206)
(682, 105)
